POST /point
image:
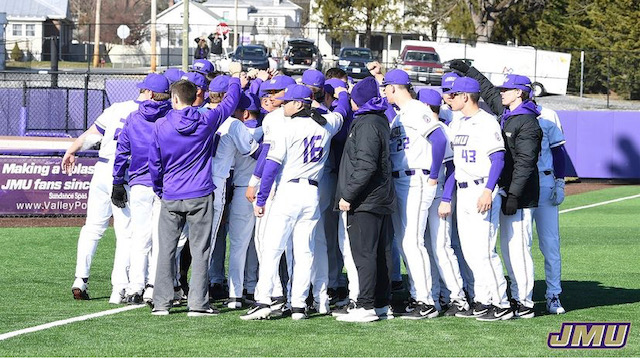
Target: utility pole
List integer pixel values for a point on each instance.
(185, 36)
(154, 7)
(235, 28)
(96, 40)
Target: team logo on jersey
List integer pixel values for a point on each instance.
(590, 336)
(460, 140)
(498, 136)
(266, 130)
(426, 118)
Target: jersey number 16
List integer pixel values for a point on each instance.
(312, 153)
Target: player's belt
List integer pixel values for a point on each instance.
(466, 184)
(304, 180)
(546, 173)
(407, 173)
(103, 160)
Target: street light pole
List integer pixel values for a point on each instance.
(185, 36)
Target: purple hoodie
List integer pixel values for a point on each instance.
(180, 156)
(527, 107)
(134, 142)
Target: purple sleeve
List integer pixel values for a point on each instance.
(225, 109)
(449, 182)
(558, 153)
(271, 169)
(344, 105)
(155, 164)
(390, 113)
(438, 147)
(256, 154)
(254, 88)
(123, 152)
(100, 129)
(497, 163)
(261, 160)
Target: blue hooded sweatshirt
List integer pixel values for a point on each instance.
(180, 155)
(132, 151)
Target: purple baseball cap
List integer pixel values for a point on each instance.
(516, 82)
(447, 80)
(396, 77)
(203, 66)
(297, 92)
(248, 101)
(196, 78)
(365, 90)
(279, 82)
(262, 93)
(155, 82)
(430, 97)
(331, 84)
(464, 84)
(173, 75)
(313, 77)
(219, 84)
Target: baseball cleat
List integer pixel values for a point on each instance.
(359, 315)
(79, 294)
(234, 303)
(344, 309)
(456, 306)
(384, 313)
(477, 310)
(421, 311)
(117, 296)
(554, 306)
(135, 298)
(299, 313)
(159, 312)
(258, 311)
(147, 297)
(524, 312)
(411, 305)
(495, 314)
(203, 313)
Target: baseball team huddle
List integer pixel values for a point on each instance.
(301, 180)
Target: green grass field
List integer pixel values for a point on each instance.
(601, 280)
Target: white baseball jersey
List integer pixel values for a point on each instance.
(244, 165)
(473, 139)
(110, 124)
(232, 137)
(273, 123)
(409, 147)
(303, 147)
(552, 136)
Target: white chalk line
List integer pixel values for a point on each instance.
(131, 307)
(68, 321)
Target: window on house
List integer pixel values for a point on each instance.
(30, 30)
(17, 29)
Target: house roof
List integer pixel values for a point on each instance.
(204, 9)
(51, 9)
(253, 3)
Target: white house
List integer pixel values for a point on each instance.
(31, 24)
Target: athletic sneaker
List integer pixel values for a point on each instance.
(456, 306)
(159, 312)
(117, 296)
(283, 312)
(178, 296)
(344, 309)
(258, 311)
(524, 312)
(234, 303)
(554, 306)
(148, 293)
(477, 310)
(299, 313)
(495, 314)
(135, 298)
(384, 313)
(318, 308)
(217, 292)
(203, 313)
(411, 305)
(421, 311)
(359, 315)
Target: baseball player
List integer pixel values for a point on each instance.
(173, 74)
(478, 157)
(551, 172)
(299, 153)
(99, 207)
(131, 157)
(201, 83)
(417, 147)
(241, 219)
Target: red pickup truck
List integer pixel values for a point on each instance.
(421, 63)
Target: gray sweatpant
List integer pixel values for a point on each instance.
(198, 213)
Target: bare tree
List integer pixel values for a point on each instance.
(484, 14)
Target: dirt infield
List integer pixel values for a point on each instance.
(570, 189)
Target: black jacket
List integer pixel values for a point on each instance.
(364, 178)
(522, 136)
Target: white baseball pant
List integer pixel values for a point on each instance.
(516, 238)
(347, 257)
(478, 235)
(251, 268)
(241, 226)
(289, 219)
(99, 211)
(547, 225)
(218, 242)
(414, 197)
(320, 267)
(465, 271)
(143, 201)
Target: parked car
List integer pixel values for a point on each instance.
(353, 60)
(422, 63)
(301, 55)
(251, 56)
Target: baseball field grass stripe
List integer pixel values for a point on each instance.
(69, 321)
(599, 204)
